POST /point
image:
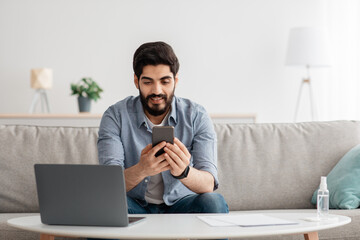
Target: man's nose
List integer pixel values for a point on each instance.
(157, 88)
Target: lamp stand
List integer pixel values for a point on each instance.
(306, 81)
(40, 95)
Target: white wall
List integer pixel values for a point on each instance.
(231, 52)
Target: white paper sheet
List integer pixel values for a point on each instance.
(244, 220)
(212, 221)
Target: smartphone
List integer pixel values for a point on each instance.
(160, 134)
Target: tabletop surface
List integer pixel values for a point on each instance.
(177, 226)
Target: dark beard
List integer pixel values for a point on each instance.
(156, 111)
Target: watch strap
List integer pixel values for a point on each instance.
(184, 174)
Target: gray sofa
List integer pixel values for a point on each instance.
(261, 166)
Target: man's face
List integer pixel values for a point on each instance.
(156, 87)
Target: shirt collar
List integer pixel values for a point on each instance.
(140, 115)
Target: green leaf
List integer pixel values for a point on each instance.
(86, 87)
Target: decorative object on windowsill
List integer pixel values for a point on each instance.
(86, 89)
(41, 79)
(308, 47)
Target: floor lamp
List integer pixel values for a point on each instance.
(41, 80)
(307, 47)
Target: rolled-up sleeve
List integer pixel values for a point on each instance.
(110, 147)
(204, 149)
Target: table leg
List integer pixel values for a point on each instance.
(311, 236)
(46, 237)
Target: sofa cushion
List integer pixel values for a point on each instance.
(23, 146)
(261, 166)
(8, 232)
(343, 182)
(278, 166)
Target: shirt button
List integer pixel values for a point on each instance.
(146, 180)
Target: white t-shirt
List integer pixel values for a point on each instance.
(155, 188)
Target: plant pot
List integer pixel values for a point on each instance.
(84, 104)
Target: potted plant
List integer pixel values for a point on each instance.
(86, 89)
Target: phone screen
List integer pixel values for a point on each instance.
(159, 134)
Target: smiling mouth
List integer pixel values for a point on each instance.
(156, 100)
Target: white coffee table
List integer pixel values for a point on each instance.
(185, 226)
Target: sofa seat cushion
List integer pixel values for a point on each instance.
(349, 231)
(8, 232)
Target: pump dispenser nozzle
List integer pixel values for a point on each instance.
(323, 185)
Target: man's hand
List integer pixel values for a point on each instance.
(177, 156)
(150, 165)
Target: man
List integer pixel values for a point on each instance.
(183, 178)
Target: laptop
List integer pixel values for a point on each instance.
(84, 195)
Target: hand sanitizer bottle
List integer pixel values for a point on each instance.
(323, 200)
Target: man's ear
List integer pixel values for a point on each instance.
(176, 79)
(136, 81)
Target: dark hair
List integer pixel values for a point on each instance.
(155, 53)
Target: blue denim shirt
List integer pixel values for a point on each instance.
(124, 133)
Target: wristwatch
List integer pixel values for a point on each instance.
(184, 174)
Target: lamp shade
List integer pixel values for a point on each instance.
(308, 47)
(41, 78)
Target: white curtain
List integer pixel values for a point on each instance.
(339, 96)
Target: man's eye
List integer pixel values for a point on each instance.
(147, 83)
(166, 82)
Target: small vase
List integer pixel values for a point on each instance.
(84, 104)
